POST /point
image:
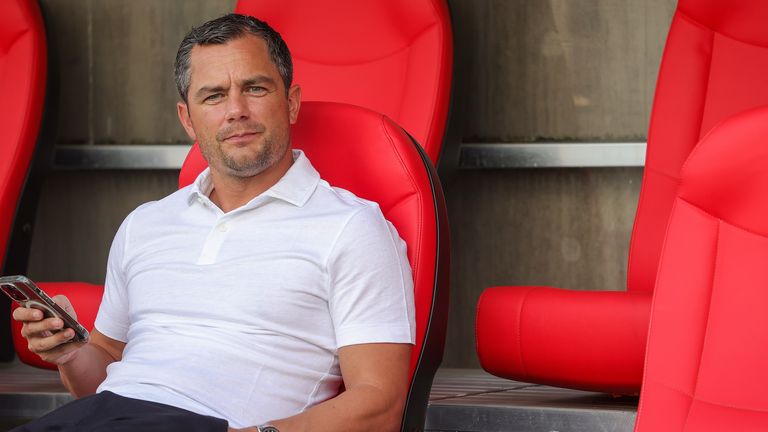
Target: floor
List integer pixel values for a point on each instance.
(466, 400)
(473, 401)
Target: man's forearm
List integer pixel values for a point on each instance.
(86, 370)
(362, 408)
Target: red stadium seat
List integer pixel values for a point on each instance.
(26, 128)
(705, 365)
(392, 56)
(714, 66)
(390, 169)
(23, 64)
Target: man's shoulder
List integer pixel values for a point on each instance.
(163, 207)
(340, 199)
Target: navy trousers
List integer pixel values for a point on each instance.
(107, 411)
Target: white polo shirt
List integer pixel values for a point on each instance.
(240, 315)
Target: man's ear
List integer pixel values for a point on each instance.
(186, 121)
(294, 102)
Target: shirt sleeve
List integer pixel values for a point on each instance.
(112, 318)
(371, 287)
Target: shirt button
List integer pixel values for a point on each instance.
(223, 227)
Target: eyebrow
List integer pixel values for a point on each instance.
(258, 79)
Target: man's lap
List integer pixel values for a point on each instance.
(107, 411)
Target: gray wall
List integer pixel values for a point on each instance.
(526, 70)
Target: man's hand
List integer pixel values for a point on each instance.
(44, 335)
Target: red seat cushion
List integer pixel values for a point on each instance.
(608, 327)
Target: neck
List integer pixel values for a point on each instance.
(231, 192)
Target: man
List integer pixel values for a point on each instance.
(243, 299)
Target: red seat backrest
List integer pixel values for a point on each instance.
(391, 170)
(23, 79)
(392, 56)
(23, 71)
(714, 65)
(707, 355)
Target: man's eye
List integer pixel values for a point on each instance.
(257, 90)
(213, 98)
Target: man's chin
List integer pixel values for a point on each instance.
(245, 170)
(247, 163)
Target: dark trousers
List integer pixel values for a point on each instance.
(107, 411)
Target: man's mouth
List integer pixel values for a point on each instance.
(241, 134)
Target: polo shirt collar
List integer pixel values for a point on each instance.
(295, 187)
(298, 184)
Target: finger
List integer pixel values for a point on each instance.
(40, 345)
(62, 301)
(65, 304)
(39, 327)
(23, 314)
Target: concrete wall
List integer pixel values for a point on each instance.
(116, 66)
(526, 70)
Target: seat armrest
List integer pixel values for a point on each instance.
(589, 340)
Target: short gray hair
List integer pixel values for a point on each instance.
(221, 30)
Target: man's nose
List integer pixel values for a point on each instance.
(237, 107)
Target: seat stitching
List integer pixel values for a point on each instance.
(725, 405)
(520, 332)
(415, 188)
(388, 54)
(709, 312)
(699, 399)
(721, 219)
(697, 23)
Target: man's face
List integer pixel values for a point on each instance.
(237, 107)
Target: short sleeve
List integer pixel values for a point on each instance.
(371, 287)
(112, 318)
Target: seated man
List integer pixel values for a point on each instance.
(246, 299)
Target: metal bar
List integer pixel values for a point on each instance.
(159, 156)
(552, 155)
(473, 155)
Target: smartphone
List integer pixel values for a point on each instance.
(24, 292)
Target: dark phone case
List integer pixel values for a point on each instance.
(37, 298)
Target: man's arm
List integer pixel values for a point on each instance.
(87, 368)
(376, 381)
(82, 366)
